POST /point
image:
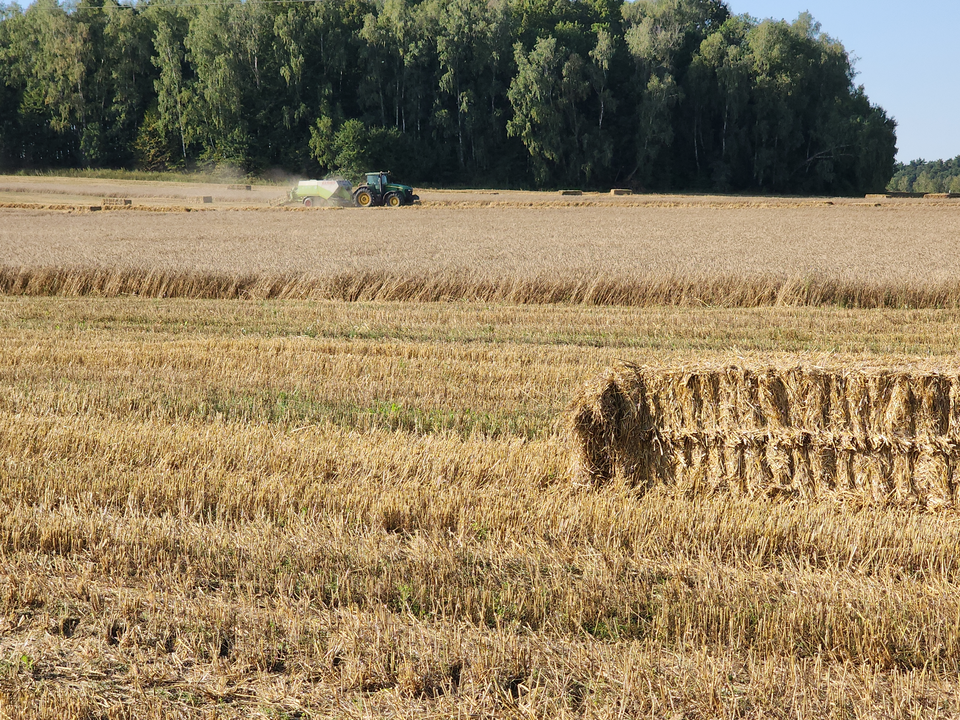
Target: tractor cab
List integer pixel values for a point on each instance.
(378, 182)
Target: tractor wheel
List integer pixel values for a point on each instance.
(309, 201)
(364, 197)
(393, 200)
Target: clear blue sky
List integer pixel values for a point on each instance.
(906, 58)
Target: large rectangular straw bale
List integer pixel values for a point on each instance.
(740, 406)
(883, 435)
(954, 429)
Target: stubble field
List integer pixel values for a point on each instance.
(289, 498)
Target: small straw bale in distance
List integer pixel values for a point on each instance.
(874, 434)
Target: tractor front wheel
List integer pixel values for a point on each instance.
(393, 200)
(364, 198)
(309, 201)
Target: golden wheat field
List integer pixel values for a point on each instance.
(288, 464)
(847, 254)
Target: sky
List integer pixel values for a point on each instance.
(905, 56)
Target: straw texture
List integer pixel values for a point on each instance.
(883, 435)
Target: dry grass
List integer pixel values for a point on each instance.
(328, 509)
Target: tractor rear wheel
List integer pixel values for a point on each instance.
(363, 197)
(393, 200)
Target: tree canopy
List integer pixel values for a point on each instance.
(921, 176)
(652, 94)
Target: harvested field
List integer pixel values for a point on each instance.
(232, 508)
(150, 193)
(143, 193)
(235, 482)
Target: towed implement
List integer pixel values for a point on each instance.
(320, 193)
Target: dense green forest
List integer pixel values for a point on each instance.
(652, 94)
(920, 176)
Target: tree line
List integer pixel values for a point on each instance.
(650, 94)
(922, 176)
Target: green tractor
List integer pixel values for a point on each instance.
(378, 190)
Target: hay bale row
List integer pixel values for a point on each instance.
(881, 435)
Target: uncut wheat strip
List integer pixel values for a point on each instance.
(421, 285)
